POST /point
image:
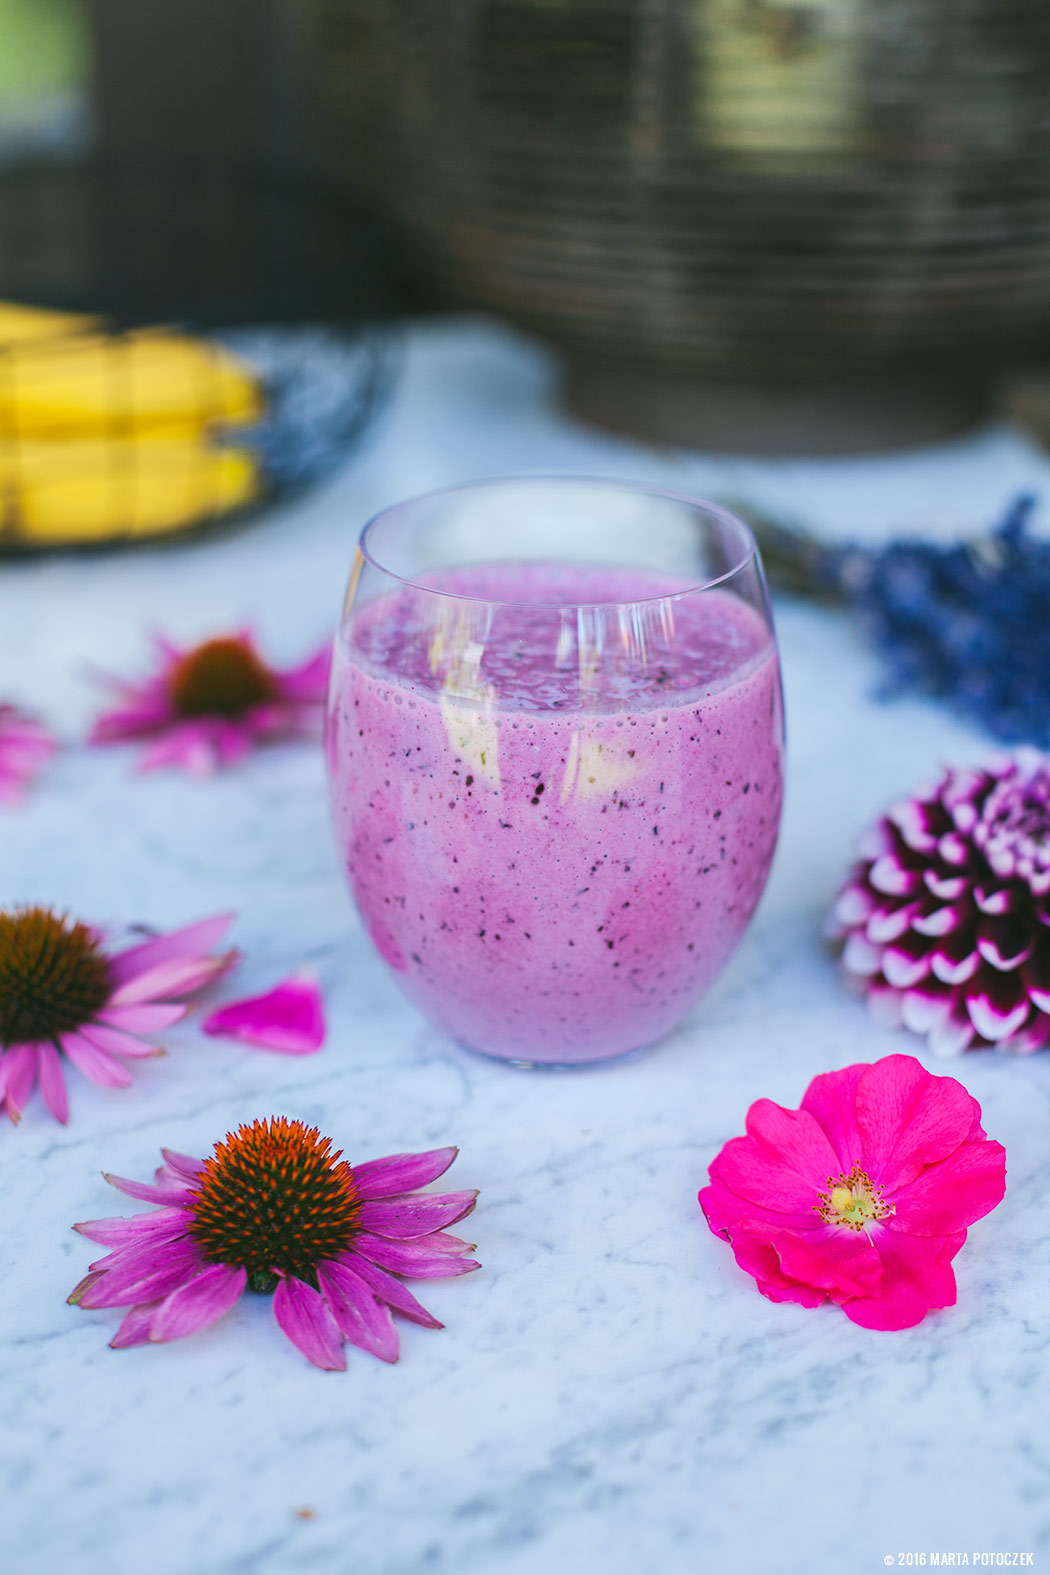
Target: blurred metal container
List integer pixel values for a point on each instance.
(707, 203)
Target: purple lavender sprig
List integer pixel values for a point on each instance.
(968, 623)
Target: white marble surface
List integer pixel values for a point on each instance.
(610, 1393)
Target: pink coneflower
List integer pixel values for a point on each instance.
(274, 1210)
(26, 746)
(211, 704)
(862, 1196)
(63, 998)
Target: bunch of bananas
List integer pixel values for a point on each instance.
(106, 436)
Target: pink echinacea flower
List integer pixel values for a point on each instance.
(862, 1196)
(64, 998)
(26, 746)
(211, 704)
(274, 1210)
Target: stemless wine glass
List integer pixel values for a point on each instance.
(554, 745)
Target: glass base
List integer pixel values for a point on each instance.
(522, 1064)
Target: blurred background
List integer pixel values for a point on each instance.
(748, 226)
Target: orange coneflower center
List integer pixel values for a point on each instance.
(220, 678)
(274, 1198)
(853, 1201)
(53, 977)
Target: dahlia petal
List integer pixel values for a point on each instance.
(929, 1004)
(169, 1222)
(893, 878)
(20, 1074)
(304, 1316)
(756, 1255)
(853, 906)
(399, 1173)
(948, 888)
(115, 1041)
(890, 923)
(184, 1164)
(412, 1216)
(198, 1303)
(997, 1003)
(916, 1278)
(860, 956)
(289, 1018)
(949, 1196)
(953, 849)
(176, 976)
(913, 820)
(146, 1018)
(1004, 942)
(831, 1099)
(98, 1065)
(841, 1262)
(193, 940)
(906, 962)
(941, 920)
(434, 1257)
(52, 1081)
(136, 1326)
(956, 958)
(1037, 975)
(387, 1289)
(784, 1161)
(953, 1034)
(362, 1319)
(147, 1191)
(908, 1119)
(999, 900)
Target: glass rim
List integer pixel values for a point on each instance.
(747, 546)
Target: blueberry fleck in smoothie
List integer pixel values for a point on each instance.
(557, 792)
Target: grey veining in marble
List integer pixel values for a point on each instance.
(610, 1393)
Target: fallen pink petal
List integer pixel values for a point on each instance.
(65, 999)
(26, 747)
(209, 705)
(288, 1018)
(274, 1211)
(862, 1196)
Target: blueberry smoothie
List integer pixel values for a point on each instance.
(557, 807)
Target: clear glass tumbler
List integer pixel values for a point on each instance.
(555, 747)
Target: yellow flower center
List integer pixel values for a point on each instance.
(852, 1201)
(53, 976)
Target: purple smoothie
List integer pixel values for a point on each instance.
(556, 821)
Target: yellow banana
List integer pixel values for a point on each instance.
(58, 494)
(19, 324)
(113, 385)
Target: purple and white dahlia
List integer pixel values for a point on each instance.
(944, 923)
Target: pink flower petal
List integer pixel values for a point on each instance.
(289, 1018)
(362, 1319)
(947, 1197)
(160, 1225)
(403, 1218)
(755, 1254)
(304, 1316)
(185, 1164)
(187, 744)
(916, 1278)
(400, 1173)
(52, 1082)
(784, 1161)
(130, 1282)
(148, 1192)
(841, 1262)
(177, 976)
(198, 1303)
(193, 940)
(114, 1041)
(95, 1064)
(831, 1099)
(20, 1074)
(726, 1212)
(134, 1330)
(308, 683)
(146, 1018)
(428, 1258)
(389, 1290)
(908, 1119)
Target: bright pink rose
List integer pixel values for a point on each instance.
(862, 1196)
